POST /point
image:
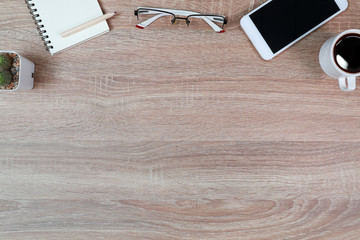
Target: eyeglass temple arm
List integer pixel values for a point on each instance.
(146, 23)
(164, 10)
(143, 11)
(212, 24)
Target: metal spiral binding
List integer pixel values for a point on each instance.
(39, 25)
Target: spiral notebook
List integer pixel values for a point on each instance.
(53, 17)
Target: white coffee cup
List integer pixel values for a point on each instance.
(347, 80)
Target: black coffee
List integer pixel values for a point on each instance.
(347, 53)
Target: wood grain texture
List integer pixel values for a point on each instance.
(176, 132)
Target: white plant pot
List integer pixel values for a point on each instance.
(26, 73)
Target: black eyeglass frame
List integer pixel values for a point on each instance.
(223, 19)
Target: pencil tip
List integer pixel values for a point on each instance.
(115, 12)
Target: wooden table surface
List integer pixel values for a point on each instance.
(176, 132)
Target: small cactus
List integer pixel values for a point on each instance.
(5, 77)
(5, 62)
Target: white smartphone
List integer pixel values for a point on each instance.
(278, 24)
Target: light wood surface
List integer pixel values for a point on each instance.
(176, 132)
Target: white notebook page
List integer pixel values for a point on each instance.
(60, 15)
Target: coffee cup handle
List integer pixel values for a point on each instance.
(347, 83)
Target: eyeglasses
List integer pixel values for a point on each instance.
(214, 21)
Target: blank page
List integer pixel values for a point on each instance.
(60, 15)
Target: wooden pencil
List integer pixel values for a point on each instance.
(87, 24)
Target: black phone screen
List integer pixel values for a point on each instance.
(281, 22)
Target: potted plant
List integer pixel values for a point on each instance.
(16, 72)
